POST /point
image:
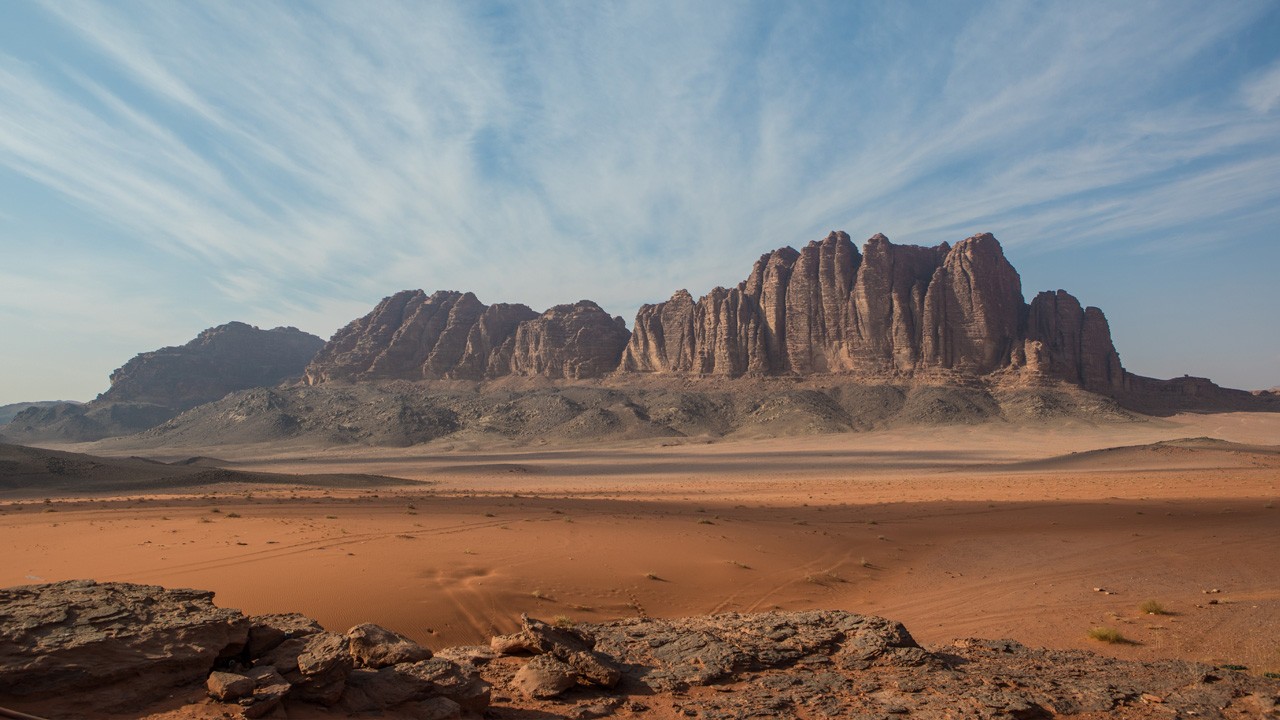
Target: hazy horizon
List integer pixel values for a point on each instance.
(165, 168)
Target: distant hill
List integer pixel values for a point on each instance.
(27, 470)
(7, 412)
(155, 386)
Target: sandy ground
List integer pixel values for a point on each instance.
(984, 531)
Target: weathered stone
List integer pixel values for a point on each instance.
(229, 687)
(373, 646)
(316, 665)
(110, 646)
(544, 677)
(270, 689)
(368, 690)
(437, 708)
(458, 683)
(569, 645)
(266, 632)
(475, 655)
(388, 687)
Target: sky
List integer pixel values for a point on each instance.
(170, 166)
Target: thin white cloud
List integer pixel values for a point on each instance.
(310, 160)
(1262, 92)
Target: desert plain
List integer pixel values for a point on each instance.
(1034, 532)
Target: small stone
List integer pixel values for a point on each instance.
(373, 646)
(544, 677)
(270, 687)
(436, 708)
(475, 655)
(228, 687)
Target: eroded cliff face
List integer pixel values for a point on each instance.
(569, 341)
(889, 310)
(1073, 343)
(452, 335)
(893, 309)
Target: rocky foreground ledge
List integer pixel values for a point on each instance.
(84, 649)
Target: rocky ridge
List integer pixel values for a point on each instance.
(8, 412)
(452, 335)
(155, 386)
(75, 648)
(895, 310)
(403, 413)
(891, 311)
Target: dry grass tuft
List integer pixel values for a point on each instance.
(1151, 607)
(1108, 635)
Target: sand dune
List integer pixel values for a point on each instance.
(35, 471)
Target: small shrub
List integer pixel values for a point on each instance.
(1151, 607)
(1234, 667)
(1108, 635)
(562, 621)
(825, 578)
(233, 515)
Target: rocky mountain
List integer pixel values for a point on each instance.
(219, 360)
(894, 310)
(79, 648)
(8, 412)
(155, 386)
(889, 310)
(453, 336)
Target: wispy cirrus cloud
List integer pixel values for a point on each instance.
(293, 164)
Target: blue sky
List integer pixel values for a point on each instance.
(171, 166)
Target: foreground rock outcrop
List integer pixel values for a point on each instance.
(80, 648)
(76, 649)
(119, 645)
(155, 386)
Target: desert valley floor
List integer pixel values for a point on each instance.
(992, 531)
